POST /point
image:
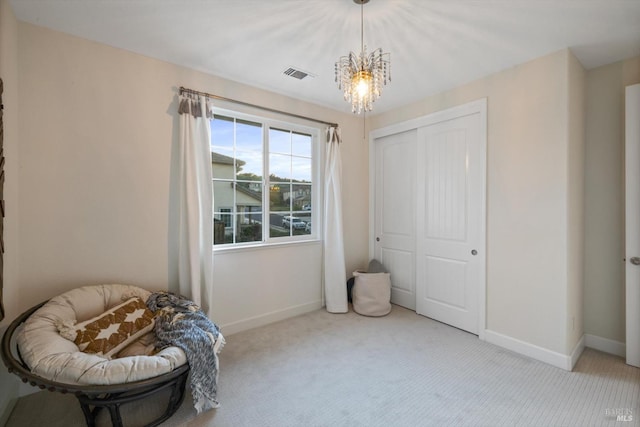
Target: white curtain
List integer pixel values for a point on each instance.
(195, 265)
(335, 287)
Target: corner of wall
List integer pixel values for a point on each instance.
(541, 354)
(575, 134)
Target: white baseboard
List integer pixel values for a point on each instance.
(264, 319)
(606, 345)
(553, 358)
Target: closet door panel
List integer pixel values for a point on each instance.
(395, 212)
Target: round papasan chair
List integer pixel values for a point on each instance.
(35, 348)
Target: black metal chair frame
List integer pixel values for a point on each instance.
(93, 398)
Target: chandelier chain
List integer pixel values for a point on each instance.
(361, 27)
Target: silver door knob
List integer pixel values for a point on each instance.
(635, 260)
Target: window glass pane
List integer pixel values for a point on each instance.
(249, 228)
(280, 167)
(223, 227)
(248, 136)
(222, 164)
(293, 224)
(277, 201)
(248, 197)
(222, 134)
(301, 145)
(301, 198)
(301, 169)
(302, 206)
(308, 228)
(225, 217)
(249, 165)
(223, 196)
(279, 227)
(286, 225)
(279, 141)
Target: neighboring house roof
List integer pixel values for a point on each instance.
(249, 192)
(221, 159)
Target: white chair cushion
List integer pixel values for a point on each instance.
(53, 357)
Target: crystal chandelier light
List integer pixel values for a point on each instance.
(362, 76)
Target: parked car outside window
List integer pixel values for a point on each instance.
(293, 222)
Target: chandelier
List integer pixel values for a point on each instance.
(362, 76)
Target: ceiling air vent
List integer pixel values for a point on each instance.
(297, 73)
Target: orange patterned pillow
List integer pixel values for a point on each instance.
(108, 333)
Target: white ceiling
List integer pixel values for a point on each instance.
(435, 45)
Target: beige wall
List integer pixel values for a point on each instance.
(105, 122)
(528, 196)
(98, 138)
(604, 202)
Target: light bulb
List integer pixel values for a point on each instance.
(363, 88)
(363, 82)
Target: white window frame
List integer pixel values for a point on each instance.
(317, 186)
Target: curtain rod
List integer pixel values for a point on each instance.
(210, 95)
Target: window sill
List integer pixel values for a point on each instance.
(264, 246)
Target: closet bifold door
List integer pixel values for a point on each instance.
(632, 223)
(395, 213)
(450, 229)
(428, 204)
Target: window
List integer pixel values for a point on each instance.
(250, 155)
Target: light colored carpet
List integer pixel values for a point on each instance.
(323, 369)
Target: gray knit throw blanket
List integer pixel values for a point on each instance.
(181, 323)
